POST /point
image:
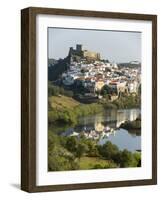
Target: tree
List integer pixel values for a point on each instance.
(60, 159)
(92, 148)
(52, 90)
(81, 149)
(71, 144)
(137, 159)
(105, 90)
(108, 150)
(126, 159)
(117, 158)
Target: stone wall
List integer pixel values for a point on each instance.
(91, 55)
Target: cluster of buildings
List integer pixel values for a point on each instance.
(93, 74)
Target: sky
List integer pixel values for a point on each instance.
(116, 46)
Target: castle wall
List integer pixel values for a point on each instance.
(84, 53)
(91, 54)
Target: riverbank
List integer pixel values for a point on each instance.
(63, 109)
(67, 110)
(124, 102)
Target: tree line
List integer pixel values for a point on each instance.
(64, 153)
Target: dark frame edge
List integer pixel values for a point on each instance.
(24, 99)
(28, 100)
(97, 185)
(154, 99)
(90, 13)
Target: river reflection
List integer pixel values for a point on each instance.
(105, 127)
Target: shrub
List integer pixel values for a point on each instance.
(59, 158)
(71, 144)
(126, 159)
(108, 150)
(54, 90)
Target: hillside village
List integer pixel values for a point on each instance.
(87, 70)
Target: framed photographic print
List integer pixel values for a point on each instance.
(89, 99)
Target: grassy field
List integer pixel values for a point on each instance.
(90, 162)
(63, 102)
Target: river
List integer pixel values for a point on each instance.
(105, 127)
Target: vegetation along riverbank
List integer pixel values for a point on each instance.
(63, 108)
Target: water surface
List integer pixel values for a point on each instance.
(105, 127)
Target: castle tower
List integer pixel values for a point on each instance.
(70, 51)
(79, 47)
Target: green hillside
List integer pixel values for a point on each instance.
(61, 102)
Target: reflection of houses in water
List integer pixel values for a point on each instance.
(134, 115)
(93, 134)
(106, 134)
(123, 116)
(102, 126)
(99, 131)
(98, 126)
(111, 124)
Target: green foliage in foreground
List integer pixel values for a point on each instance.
(123, 158)
(72, 153)
(59, 158)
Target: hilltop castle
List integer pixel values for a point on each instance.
(78, 53)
